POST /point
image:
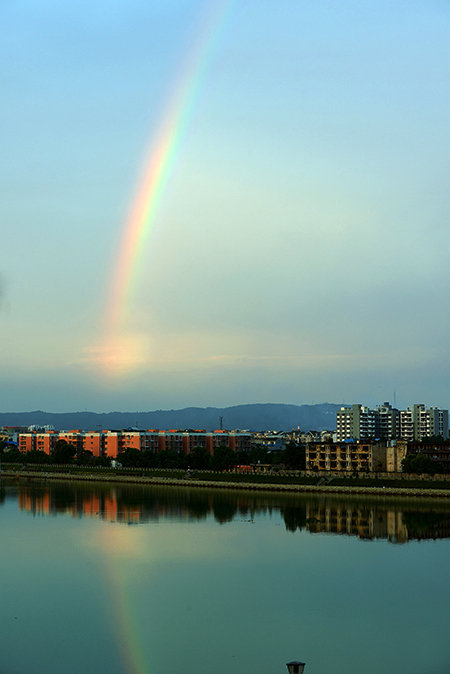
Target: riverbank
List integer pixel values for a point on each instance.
(228, 481)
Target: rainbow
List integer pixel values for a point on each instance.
(117, 546)
(158, 169)
(129, 630)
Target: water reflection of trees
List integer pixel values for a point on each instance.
(426, 525)
(396, 520)
(224, 508)
(294, 517)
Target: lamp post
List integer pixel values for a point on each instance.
(295, 667)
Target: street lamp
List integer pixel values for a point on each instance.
(295, 667)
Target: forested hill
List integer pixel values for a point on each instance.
(269, 416)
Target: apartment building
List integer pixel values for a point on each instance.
(437, 451)
(387, 423)
(93, 442)
(110, 443)
(406, 431)
(175, 440)
(356, 422)
(345, 457)
(74, 438)
(427, 423)
(40, 441)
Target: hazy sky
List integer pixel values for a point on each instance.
(300, 250)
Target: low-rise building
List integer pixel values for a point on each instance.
(11, 433)
(345, 457)
(396, 451)
(437, 451)
(271, 441)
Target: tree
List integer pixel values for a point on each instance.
(130, 457)
(223, 458)
(85, 458)
(294, 456)
(148, 459)
(36, 456)
(199, 458)
(420, 464)
(433, 440)
(258, 454)
(101, 461)
(170, 458)
(63, 452)
(12, 455)
(242, 457)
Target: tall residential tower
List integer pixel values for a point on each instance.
(388, 423)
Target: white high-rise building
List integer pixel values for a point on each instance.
(387, 423)
(356, 422)
(428, 423)
(406, 425)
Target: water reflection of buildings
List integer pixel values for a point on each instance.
(371, 522)
(127, 506)
(363, 522)
(397, 523)
(105, 506)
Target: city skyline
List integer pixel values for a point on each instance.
(297, 248)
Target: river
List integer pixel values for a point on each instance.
(145, 580)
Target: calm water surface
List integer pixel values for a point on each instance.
(164, 580)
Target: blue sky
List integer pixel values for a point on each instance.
(300, 252)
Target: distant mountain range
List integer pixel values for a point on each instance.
(261, 417)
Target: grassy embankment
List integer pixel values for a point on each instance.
(211, 476)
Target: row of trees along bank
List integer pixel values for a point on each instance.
(223, 458)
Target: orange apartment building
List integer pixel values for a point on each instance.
(74, 438)
(175, 440)
(109, 443)
(93, 442)
(42, 442)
